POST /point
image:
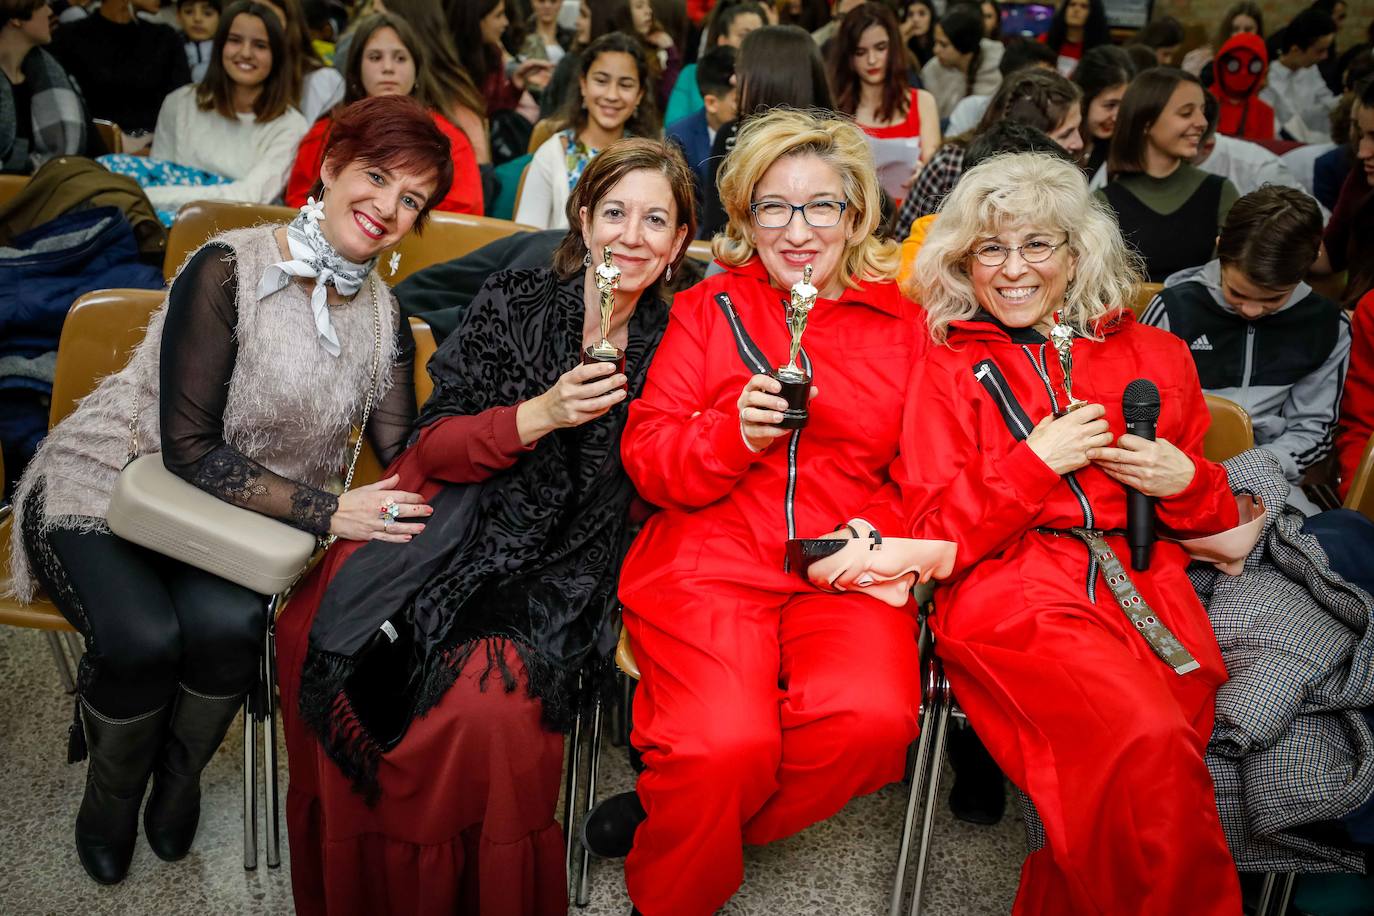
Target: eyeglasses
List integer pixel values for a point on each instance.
(819, 214)
(1036, 251)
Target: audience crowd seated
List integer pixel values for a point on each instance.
(1032, 183)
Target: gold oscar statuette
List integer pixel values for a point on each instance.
(796, 381)
(607, 281)
(1062, 335)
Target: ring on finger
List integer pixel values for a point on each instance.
(389, 512)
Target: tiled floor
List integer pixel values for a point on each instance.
(843, 866)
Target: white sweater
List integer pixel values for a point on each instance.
(258, 157)
(950, 86)
(544, 197)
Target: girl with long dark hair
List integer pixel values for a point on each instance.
(1103, 75)
(386, 58)
(610, 101)
(778, 66)
(965, 61)
(868, 76)
(1078, 26)
(1169, 210)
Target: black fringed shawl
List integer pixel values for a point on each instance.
(529, 556)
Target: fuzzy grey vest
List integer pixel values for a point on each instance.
(290, 403)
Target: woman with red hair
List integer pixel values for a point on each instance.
(272, 341)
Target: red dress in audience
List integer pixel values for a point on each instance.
(466, 823)
(765, 704)
(911, 127)
(465, 196)
(1357, 402)
(1067, 696)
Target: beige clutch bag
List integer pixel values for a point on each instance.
(154, 508)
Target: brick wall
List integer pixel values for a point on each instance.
(1207, 13)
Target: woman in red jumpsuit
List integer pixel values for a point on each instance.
(1070, 699)
(764, 704)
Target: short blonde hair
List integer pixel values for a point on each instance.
(765, 139)
(1023, 190)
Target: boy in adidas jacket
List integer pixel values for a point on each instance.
(1259, 335)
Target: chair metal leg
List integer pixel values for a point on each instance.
(1266, 896)
(64, 667)
(937, 765)
(920, 772)
(570, 787)
(1290, 881)
(250, 789)
(593, 767)
(269, 743)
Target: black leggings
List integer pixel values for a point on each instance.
(150, 622)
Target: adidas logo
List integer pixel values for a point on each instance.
(1202, 343)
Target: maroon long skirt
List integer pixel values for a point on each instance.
(465, 824)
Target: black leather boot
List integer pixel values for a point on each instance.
(121, 752)
(979, 794)
(196, 730)
(608, 830)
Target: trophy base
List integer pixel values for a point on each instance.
(595, 355)
(796, 391)
(1072, 406)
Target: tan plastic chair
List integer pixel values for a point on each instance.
(1230, 433)
(1144, 296)
(110, 134)
(199, 220)
(520, 188)
(446, 236)
(1361, 494)
(700, 251)
(543, 130)
(425, 346)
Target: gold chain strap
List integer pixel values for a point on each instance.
(371, 392)
(367, 404)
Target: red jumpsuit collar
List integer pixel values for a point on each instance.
(984, 327)
(883, 296)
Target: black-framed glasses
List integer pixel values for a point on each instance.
(819, 214)
(1036, 251)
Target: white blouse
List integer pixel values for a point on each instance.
(257, 156)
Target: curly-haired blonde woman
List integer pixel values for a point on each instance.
(1075, 705)
(756, 714)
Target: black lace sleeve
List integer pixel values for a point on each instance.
(394, 415)
(198, 353)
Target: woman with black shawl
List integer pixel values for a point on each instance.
(425, 684)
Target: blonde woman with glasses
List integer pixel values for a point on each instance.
(1092, 686)
(766, 703)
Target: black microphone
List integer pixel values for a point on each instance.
(1140, 404)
